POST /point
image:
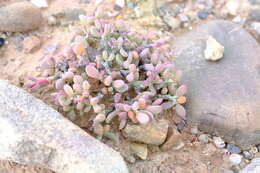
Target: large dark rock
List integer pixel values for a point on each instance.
(223, 96)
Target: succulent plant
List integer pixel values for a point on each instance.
(113, 74)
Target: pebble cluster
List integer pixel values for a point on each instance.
(108, 72)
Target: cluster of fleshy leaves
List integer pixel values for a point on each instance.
(108, 72)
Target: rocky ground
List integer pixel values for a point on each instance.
(186, 149)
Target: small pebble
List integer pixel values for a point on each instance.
(40, 3)
(2, 41)
(183, 18)
(253, 150)
(131, 4)
(214, 50)
(203, 138)
(256, 27)
(218, 142)
(31, 43)
(194, 130)
(180, 126)
(233, 148)
(119, 4)
(232, 7)
(50, 48)
(248, 155)
(202, 14)
(235, 158)
(52, 21)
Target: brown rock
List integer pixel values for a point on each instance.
(139, 150)
(20, 17)
(31, 44)
(175, 141)
(153, 133)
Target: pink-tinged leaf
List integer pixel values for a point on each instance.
(94, 100)
(118, 83)
(86, 85)
(122, 107)
(63, 101)
(68, 90)
(110, 116)
(122, 116)
(108, 80)
(59, 84)
(180, 110)
(127, 107)
(159, 42)
(159, 68)
(120, 41)
(142, 118)
(145, 52)
(135, 54)
(123, 52)
(92, 72)
(135, 106)
(80, 106)
(130, 77)
(78, 88)
(157, 101)
(98, 23)
(78, 79)
(155, 58)
(149, 67)
(132, 68)
(117, 97)
(100, 118)
(168, 105)
(122, 124)
(68, 76)
(155, 109)
(107, 29)
(126, 64)
(142, 102)
(182, 90)
(78, 99)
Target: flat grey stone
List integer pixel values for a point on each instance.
(223, 96)
(33, 133)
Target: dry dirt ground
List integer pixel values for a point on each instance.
(16, 66)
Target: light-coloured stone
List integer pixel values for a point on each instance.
(175, 141)
(20, 17)
(218, 141)
(31, 44)
(120, 3)
(235, 158)
(214, 50)
(153, 133)
(40, 3)
(232, 7)
(33, 133)
(140, 150)
(253, 167)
